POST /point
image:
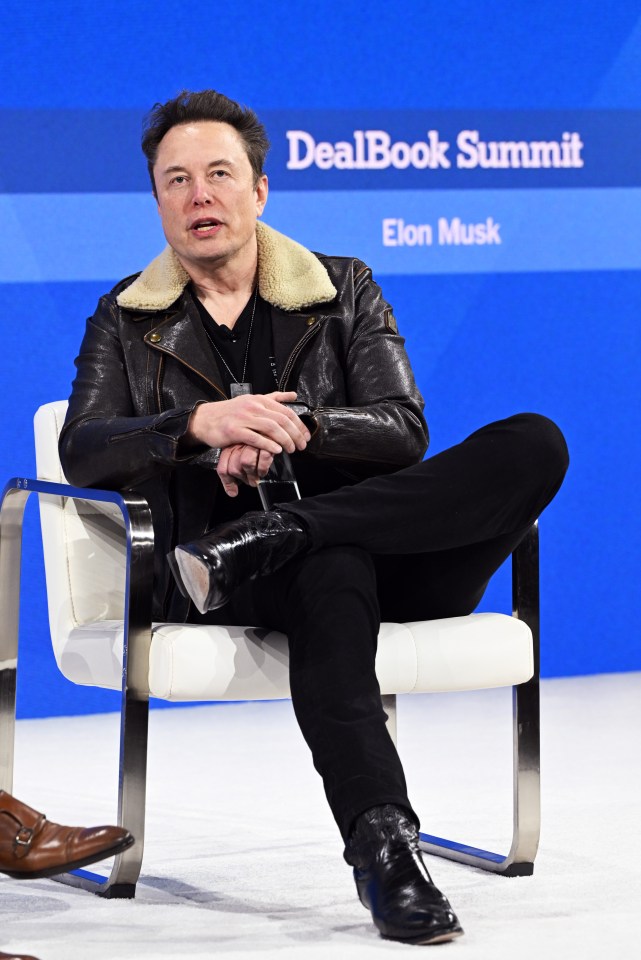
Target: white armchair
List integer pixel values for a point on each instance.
(98, 548)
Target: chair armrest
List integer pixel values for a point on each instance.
(139, 562)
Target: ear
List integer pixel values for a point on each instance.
(262, 190)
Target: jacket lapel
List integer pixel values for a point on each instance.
(181, 335)
(289, 332)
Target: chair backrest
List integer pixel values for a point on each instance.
(83, 543)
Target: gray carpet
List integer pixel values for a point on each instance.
(242, 857)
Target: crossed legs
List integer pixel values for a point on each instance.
(418, 544)
(415, 545)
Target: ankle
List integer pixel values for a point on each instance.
(376, 827)
(297, 521)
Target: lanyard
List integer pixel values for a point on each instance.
(272, 364)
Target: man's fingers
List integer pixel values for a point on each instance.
(243, 463)
(229, 486)
(229, 483)
(290, 434)
(241, 420)
(292, 419)
(265, 461)
(288, 397)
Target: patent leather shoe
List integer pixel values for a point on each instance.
(258, 543)
(393, 882)
(32, 846)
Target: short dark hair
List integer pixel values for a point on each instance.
(189, 107)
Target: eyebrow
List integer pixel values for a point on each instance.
(175, 168)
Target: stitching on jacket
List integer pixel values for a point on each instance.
(158, 378)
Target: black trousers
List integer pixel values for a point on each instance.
(418, 544)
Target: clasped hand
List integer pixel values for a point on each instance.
(250, 430)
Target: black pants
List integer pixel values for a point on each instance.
(418, 544)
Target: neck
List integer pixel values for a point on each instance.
(225, 287)
(232, 277)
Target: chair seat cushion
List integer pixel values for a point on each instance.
(190, 662)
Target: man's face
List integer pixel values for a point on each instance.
(207, 199)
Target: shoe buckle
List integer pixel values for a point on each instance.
(24, 837)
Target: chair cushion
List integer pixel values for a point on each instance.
(190, 662)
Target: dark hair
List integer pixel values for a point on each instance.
(205, 105)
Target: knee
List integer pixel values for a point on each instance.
(542, 446)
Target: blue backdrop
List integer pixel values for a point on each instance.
(400, 132)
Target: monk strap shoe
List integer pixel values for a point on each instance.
(16, 956)
(32, 846)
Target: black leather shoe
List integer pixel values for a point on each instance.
(257, 544)
(393, 882)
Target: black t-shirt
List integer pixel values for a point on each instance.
(314, 476)
(229, 347)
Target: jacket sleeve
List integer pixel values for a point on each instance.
(104, 442)
(383, 421)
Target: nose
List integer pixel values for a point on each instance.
(201, 193)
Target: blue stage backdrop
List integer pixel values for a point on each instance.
(484, 159)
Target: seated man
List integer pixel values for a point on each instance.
(32, 846)
(160, 400)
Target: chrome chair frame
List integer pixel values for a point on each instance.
(135, 671)
(526, 739)
(135, 689)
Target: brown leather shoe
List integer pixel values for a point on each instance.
(16, 956)
(32, 847)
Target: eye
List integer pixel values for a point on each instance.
(180, 178)
(220, 174)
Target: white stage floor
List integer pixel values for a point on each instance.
(243, 859)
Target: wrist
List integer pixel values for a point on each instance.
(192, 433)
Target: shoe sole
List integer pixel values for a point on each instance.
(195, 578)
(73, 865)
(443, 937)
(175, 572)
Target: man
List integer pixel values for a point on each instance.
(159, 401)
(32, 847)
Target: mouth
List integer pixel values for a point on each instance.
(205, 226)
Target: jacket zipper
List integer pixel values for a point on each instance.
(296, 353)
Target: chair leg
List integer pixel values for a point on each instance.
(14, 500)
(134, 719)
(526, 739)
(136, 645)
(132, 780)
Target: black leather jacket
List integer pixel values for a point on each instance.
(145, 363)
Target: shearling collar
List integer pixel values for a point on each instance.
(289, 276)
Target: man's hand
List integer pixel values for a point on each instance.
(255, 420)
(244, 463)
